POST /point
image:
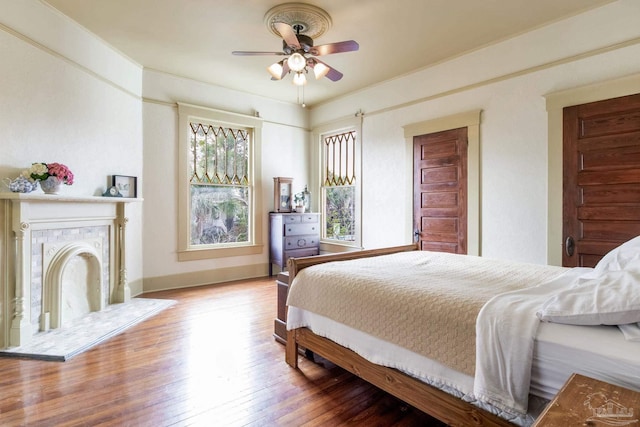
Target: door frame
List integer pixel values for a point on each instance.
(555, 102)
(470, 120)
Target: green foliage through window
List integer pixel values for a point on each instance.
(340, 213)
(219, 181)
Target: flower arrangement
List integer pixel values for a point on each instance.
(42, 171)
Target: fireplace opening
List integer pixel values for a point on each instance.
(72, 284)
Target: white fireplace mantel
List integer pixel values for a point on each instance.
(41, 197)
(27, 220)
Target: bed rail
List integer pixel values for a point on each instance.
(437, 403)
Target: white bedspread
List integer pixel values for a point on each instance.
(504, 339)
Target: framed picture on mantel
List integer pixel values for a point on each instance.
(282, 194)
(126, 185)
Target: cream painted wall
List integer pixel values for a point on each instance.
(67, 97)
(284, 152)
(59, 104)
(508, 82)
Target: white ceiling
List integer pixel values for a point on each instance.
(195, 38)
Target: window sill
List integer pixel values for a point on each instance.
(209, 253)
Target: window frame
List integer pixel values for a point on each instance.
(188, 113)
(340, 126)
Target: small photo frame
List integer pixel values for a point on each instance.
(126, 185)
(282, 194)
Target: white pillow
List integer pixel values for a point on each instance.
(623, 257)
(608, 295)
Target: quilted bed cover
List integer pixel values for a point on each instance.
(441, 306)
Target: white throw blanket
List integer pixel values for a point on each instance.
(504, 344)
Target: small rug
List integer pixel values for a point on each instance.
(63, 343)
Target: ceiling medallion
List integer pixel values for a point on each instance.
(305, 18)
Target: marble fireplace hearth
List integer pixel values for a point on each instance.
(61, 258)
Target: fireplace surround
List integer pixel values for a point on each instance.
(60, 258)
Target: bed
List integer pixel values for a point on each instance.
(495, 370)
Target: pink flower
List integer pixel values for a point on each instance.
(41, 171)
(63, 173)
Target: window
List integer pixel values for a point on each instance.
(340, 186)
(219, 181)
(217, 200)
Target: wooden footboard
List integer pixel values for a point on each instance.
(294, 265)
(435, 402)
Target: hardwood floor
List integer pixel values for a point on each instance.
(210, 360)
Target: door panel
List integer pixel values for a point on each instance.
(601, 161)
(440, 190)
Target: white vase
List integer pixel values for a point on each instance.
(51, 185)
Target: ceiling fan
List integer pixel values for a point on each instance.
(302, 54)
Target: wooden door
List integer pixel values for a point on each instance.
(440, 191)
(601, 185)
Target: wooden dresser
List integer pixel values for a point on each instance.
(585, 401)
(292, 235)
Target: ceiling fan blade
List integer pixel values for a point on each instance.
(339, 47)
(250, 53)
(332, 74)
(288, 34)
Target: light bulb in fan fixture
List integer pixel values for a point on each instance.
(297, 62)
(320, 70)
(276, 70)
(299, 79)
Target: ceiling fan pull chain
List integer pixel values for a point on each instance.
(301, 99)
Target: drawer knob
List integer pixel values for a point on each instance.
(302, 242)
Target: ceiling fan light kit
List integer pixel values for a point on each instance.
(297, 62)
(320, 70)
(275, 69)
(298, 24)
(299, 79)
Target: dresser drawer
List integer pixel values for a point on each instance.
(300, 253)
(309, 218)
(300, 229)
(296, 242)
(292, 219)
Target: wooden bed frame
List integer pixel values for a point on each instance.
(437, 403)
